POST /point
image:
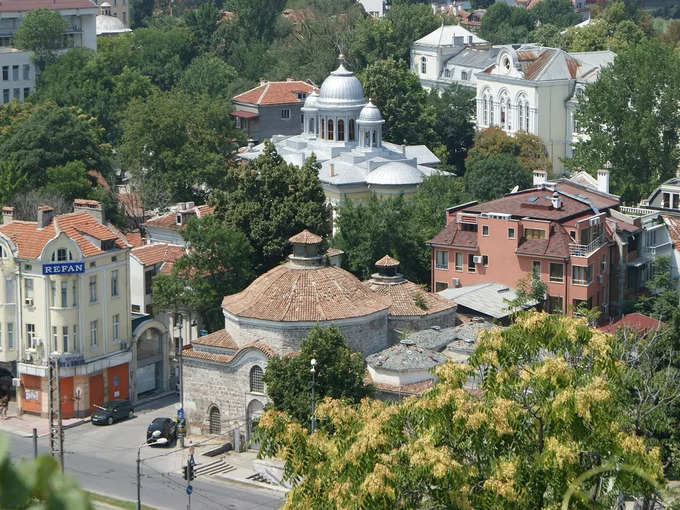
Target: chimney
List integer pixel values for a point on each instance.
(556, 200)
(263, 82)
(7, 214)
(331, 169)
(91, 207)
(45, 214)
(603, 178)
(251, 144)
(540, 177)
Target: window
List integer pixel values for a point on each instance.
(485, 260)
(256, 380)
(93, 289)
(16, 94)
(441, 259)
(10, 335)
(603, 264)
(511, 233)
(27, 92)
(30, 336)
(27, 72)
(148, 283)
(61, 255)
(93, 333)
(504, 105)
(439, 286)
(556, 272)
(468, 227)
(64, 295)
(423, 65)
(55, 338)
(53, 293)
(676, 201)
(116, 327)
(555, 304)
(666, 200)
(64, 338)
(5, 73)
(330, 129)
(285, 113)
(534, 233)
(582, 275)
(351, 130)
(447, 73)
(5, 96)
(114, 283)
(178, 219)
(9, 290)
(341, 130)
(572, 234)
(485, 108)
(74, 292)
(459, 261)
(491, 119)
(15, 73)
(28, 288)
(485, 230)
(536, 268)
(464, 76)
(75, 337)
(471, 263)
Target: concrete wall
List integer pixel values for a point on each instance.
(20, 88)
(270, 122)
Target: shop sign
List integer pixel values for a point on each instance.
(64, 268)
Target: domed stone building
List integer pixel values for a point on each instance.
(108, 25)
(344, 132)
(223, 385)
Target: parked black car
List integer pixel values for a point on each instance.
(109, 412)
(167, 428)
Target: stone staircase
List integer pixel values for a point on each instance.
(212, 468)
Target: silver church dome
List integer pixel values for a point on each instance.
(341, 88)
(109, 25)
(396, 173)
(370, 113)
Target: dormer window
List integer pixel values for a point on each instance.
(301, 95)
(61, 255)
(505, 62)
(178, 219)
(108, 244)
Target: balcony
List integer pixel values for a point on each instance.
(584, 250)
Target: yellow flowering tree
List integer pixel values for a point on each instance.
(549, 407)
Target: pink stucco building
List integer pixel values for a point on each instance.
(557, 229)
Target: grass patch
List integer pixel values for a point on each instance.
(118, 503)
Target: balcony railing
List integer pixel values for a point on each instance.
(578, 281)
(651, 250)
(583, 250)
(636, 211)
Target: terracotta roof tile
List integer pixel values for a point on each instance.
(275, 92)
(169, 219)
(402, 297)
(158, 253)
(287, 293)
(387, 261)
(305, 237)
(673, 225)
(450, 235)
(557, 244)
(217, 339)
(635, 321)
(134, 238)
(190, 352)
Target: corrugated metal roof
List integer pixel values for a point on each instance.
(485, 298)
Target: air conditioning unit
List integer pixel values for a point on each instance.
(28, 301)
(477, 259)
(455, 282)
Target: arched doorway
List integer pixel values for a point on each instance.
(253, 414)
(150, 352)
(214, 421)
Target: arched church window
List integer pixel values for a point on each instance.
(256, 380)
(522, 113)
(214, 421)
(341, 130)
(323, 130)
(504, 107)
(367, 139)
(485, 107)
(375, 139)
(351, 130)
(491, 119)
(423, 65)
(526, 116)
(330, 129)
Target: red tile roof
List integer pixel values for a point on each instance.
(557, 244)
(30, 5)
(452, 236)
(30, 240)
(99, 179)
(190, 352)
(134, 238)
(157, 253)
(673, 224)
(275, 92)
(287, 293)
(244, 114)
(635, 321)
(387, 261)
(169, 219)
(305, 237)
(403, 295)
(217, 339)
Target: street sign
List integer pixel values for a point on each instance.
(190, 489)
(180, 414)
(63, 267)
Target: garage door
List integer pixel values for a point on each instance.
(146, 378)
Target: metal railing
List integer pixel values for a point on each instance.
(583, 250)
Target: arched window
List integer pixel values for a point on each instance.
(367, 139)
(485, 107)
(341, 130)
(323, 125)
(520, 114)
(214, 421)
(375, 140)
(447, 73)
(523, 113)
(351, 130)
(504, 107)
(491, 119)
(61, 255)
(526, 116)
(423, 65)
(330, 129)
(256, 380)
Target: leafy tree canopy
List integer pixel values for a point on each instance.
(503, 24)
(339, 374)
(663, 298)
(632, 123)
(559, 13)
(140, 11)
(208, 74)
(491, 177)
(536, 425)
(42, 32)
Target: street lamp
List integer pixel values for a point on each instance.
(156, 440)
(313, 371)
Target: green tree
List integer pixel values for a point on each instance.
(492, 177)
(548, 35)
(537, 423)
(396, 91)
(12, 181)
(531, 291)
(503, 24)
(177, 145)
(559, 13)
(208, 74)
(481, 4)
(633, 124)
(140, 11)
(270, 201)
(46, 135)
(339, 374)
(202, 23)
(528, 150)
(71, 181)
(219, 262)
(663, 298)
(42, 32)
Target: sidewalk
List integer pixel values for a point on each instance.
(24, 425)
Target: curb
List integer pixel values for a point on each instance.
(252, 483)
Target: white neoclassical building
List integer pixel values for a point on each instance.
(344, 132)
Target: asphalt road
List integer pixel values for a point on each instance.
(103, 459)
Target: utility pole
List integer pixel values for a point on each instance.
(180, 413)
(35, 443)
(313, 371)
(54, 410)
(60, 438)
(139, 479)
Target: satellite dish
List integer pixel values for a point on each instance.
(515, 189)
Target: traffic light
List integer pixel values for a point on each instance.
(188, 471)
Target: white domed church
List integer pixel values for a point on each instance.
(344, 132)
